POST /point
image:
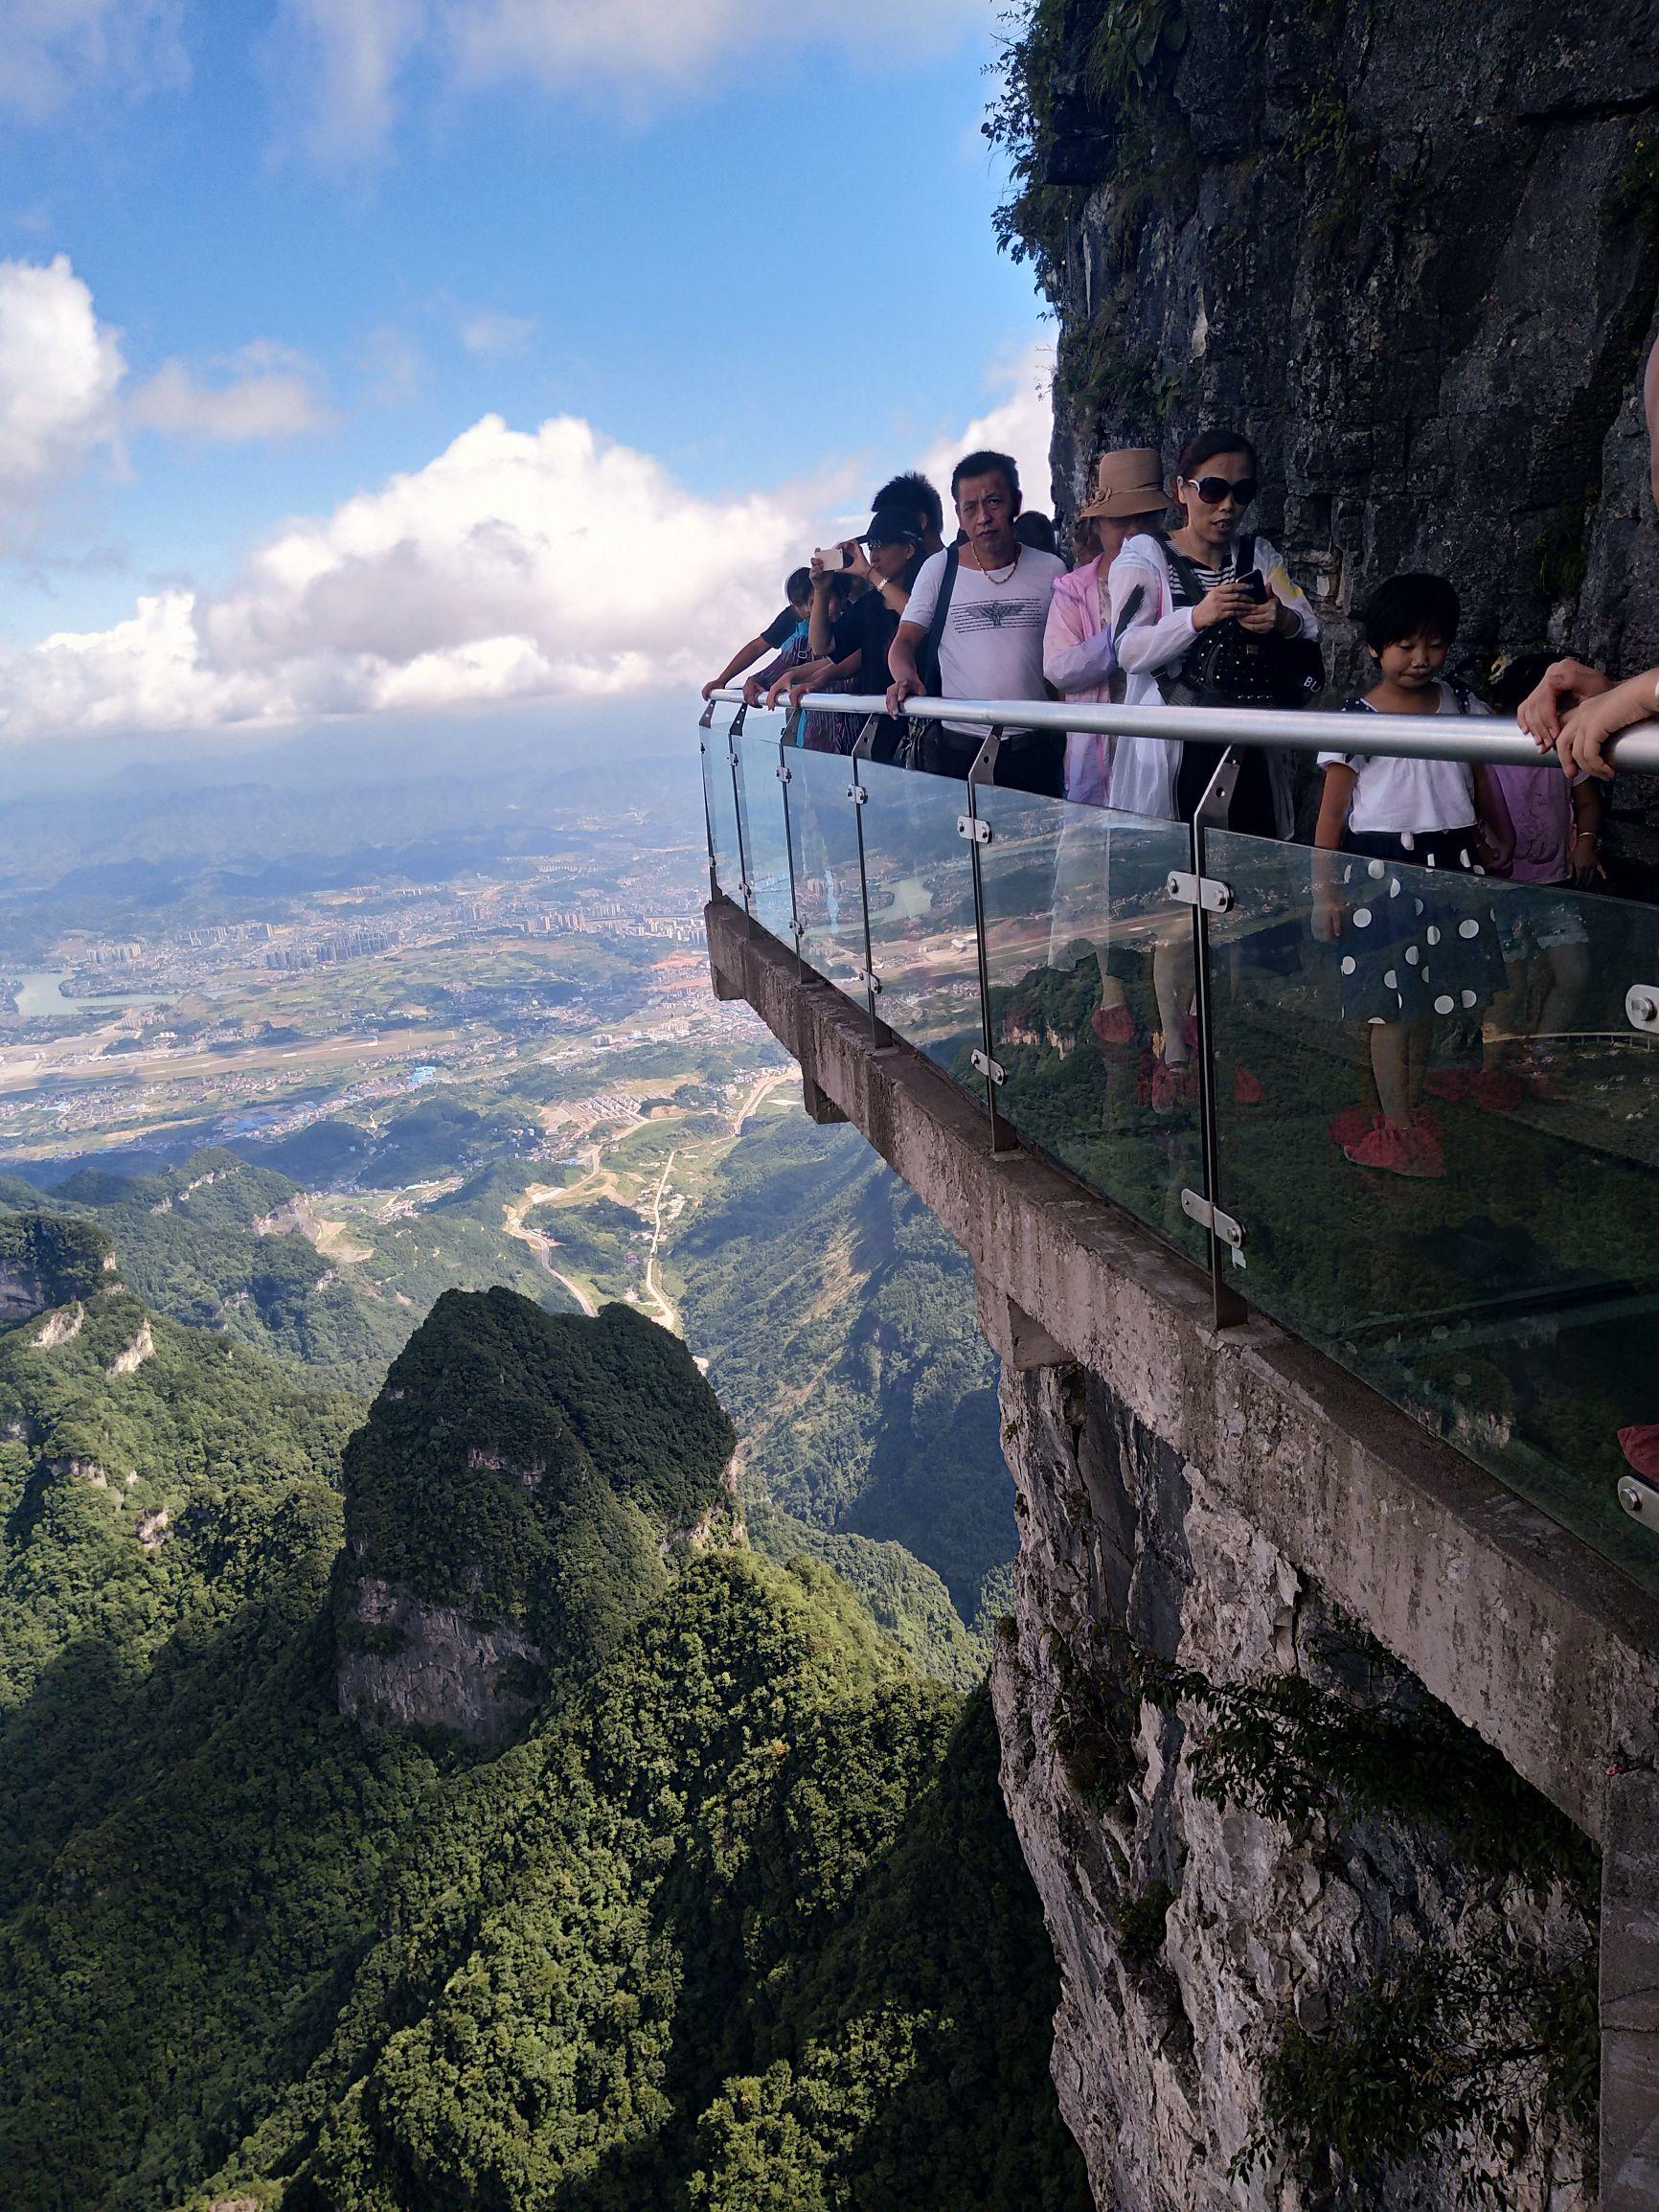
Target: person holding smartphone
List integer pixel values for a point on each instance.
(852, 647)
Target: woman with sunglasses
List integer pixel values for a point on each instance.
(1161, 606)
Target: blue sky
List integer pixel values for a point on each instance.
(311, 244)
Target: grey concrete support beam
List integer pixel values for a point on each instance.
(1629, 1998)
(1018, 1341)
(1528, 1637)
(820, 1108)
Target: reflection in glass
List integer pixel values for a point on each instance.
(920, 873)
(1497, 1274)
(765, 843)
(828, 899)
(1089, 964)
(722, 806)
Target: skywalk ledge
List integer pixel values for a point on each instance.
(1189, 1474)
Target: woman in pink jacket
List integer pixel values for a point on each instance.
(1079, 662)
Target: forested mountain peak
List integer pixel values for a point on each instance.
(46, 1260)
(510, 1502)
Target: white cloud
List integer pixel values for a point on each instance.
(517, 564)
(352, 52)
(491, 335)
(1021, 424)
(52, 50)
(59, 368)
(630, 52)
(266, 392)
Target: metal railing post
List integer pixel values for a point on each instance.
(984, 770)
(734, 758)
(1211, 813)
(859, 795)
(791, 741)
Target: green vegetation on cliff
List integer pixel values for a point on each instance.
(741, 1921)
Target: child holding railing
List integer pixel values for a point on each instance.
(1408, 953)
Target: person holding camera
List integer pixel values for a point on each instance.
(1208, 616)
(850, 646)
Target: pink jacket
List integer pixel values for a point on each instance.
(1078, 660)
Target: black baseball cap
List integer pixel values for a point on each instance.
(893, 525)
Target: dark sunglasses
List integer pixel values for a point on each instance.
(1213, 490)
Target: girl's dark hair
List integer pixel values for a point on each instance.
(1208, 445)
(1408, 604)
(798, 585)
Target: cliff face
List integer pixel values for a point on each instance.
(1413, 249)
(1300, 1913)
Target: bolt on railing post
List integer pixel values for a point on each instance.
(790, 738)
(983, 770)
(1211, 812)
(859, 795)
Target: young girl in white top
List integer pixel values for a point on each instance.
(1409, 953)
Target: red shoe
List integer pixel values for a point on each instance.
(1350, 1127)
(1497, 1088)
(1113, 1024)
(1246, 1087)
(1641, 1447)
(1448, 1082)
(1397, 1152)
(1174, 1088)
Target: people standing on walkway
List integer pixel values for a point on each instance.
(777, 634)
(1409, 951)
(1080, 663)
(850, 647)
(1078, 657)
(974, 628)
(1202, 617)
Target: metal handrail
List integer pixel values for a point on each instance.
(1477, 737)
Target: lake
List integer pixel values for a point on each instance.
(40, 998)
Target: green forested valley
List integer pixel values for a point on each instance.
(439, 1804)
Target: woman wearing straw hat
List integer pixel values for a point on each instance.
(1079, 660)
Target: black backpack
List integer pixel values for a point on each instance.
(1226, 666)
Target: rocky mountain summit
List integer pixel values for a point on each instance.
(509, 1504)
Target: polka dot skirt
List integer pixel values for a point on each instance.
(1418, 934)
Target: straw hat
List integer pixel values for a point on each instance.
(1127, 482)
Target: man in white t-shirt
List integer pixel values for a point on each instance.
(988, 644)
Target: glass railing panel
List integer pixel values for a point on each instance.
(825, 830)
(761, 810)
(920, 873)
(722, 806)
(1090, 971)
(1490, 1258)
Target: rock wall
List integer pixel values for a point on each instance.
(404, 1663)
(1195, 1933)
(1413, 248)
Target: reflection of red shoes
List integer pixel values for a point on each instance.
(1174, 1088)
(1496, 1088)
(1397, 1152)
(1448, 1082)
(1351, 1126)
(1641, 1447)
(1246, 1087)
(1113, 1024)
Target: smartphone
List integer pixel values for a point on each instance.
(1256, 586)
(832, 557)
